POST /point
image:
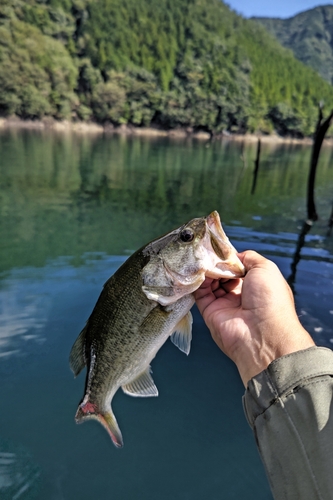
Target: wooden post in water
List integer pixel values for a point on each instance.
(319, 135)
(297, 255)
(256, 167)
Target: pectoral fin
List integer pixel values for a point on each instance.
(182, 336)
(143, 386)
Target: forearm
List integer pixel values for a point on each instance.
(289, 407)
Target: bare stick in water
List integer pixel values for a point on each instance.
(319, 135)
(256, 167)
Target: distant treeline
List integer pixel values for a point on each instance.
(309, 35)
(168, 63)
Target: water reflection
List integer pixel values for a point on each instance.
(69, 195)
(256, 168)
(41, 397)
(23, 314)
(27, 296)
(313, 288)
(19, 476)
(71, 209)
(297, 255)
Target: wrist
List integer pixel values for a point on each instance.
(257, 354)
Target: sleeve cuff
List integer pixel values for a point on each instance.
(284, 375)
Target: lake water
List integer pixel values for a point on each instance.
(72, 209)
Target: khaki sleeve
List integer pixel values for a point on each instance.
(290, 409)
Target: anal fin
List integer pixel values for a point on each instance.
(182, 335)
(143, 386)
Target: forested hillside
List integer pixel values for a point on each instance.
(168, 63)
(309, 35)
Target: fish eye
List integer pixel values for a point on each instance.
(186, 235)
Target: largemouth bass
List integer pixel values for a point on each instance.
(144, 303)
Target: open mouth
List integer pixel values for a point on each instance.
(229, 264)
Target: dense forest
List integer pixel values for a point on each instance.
(166, 63)
(309, 35)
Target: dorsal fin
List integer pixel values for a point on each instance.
(77, 359)
(182, 336)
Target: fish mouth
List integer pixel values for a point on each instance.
(228, 264)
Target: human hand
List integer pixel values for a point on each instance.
(253, 320)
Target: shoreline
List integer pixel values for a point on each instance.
(49, 124)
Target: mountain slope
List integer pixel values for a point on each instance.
(169, 63)
(309, 35)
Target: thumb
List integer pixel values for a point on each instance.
(252, 259)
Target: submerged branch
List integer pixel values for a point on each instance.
(321, 129)
(256, 167)
(297, 255)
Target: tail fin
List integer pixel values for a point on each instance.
(88, 410)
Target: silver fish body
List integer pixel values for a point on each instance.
(144, 303)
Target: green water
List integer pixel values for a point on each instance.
(72, 209)
(69, 195)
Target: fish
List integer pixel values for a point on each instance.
(145, 302)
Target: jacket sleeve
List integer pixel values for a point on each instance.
(290, 409)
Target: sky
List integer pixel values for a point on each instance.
(280, 8)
